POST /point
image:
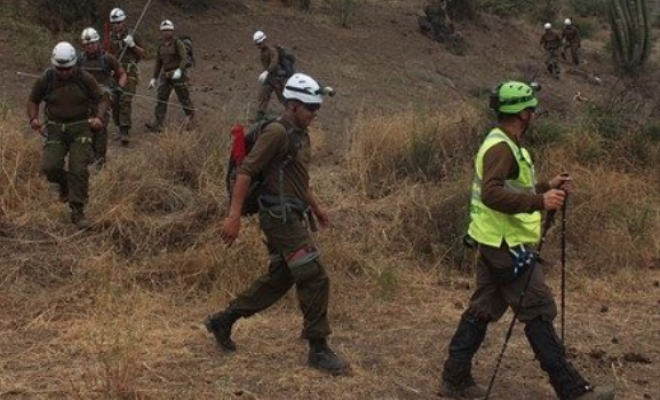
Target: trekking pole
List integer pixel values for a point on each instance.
(144, 11)
(546, 227)
(563, 267)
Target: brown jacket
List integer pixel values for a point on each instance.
(550, 40)
(499, 164)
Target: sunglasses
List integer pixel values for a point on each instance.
(311, 107)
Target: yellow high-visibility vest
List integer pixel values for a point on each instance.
(491, 227)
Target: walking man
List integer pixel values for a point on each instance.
(271, 79)
(282, 153)
(129, 50)
(571, 38)
(170, 74)
(505, 222)
(551, 42)
(107, 71)
(74, 107)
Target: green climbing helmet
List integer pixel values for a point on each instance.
(513, 97)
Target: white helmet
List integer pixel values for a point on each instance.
(547, 25)
(167, 25)
(64, 55)
(89, 35)
(567, 21)
(258, 37)
(117, 15)
(303, 88)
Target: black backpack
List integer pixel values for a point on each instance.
(188, 44)
(251, 203)
(287, 61)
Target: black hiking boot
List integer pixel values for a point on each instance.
(78, 216)
(458, 383)
(564, 378)
(220, 324)
(324, 359)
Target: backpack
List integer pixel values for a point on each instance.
(188, 44)
(242, 144)
(287, 61)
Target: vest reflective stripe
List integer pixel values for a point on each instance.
(490, 227)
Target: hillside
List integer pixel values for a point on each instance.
(116, 312)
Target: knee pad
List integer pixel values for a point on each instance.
(303, 263)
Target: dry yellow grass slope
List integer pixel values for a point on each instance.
(115, 312)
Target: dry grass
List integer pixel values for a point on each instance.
(114, 313)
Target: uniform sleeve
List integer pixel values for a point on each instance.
(183, 55)
(274, 59)
(499, 164)
(38, 90)
(139, 42)
(159, 64)
(271, 144)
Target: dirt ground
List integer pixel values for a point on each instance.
(154, 346)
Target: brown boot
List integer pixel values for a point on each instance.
(78, 216)
(458, 383)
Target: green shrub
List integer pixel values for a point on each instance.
(546, 131)
(589, 8)
(587, 28)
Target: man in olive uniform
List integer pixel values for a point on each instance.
(170, 73)
(282, 153)
(551, 42)
(505, 222)
(107, 71)
(271, 78)
(74, 104)
(129, 50)
(571, 37)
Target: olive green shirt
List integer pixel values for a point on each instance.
(571, 35)
(104, 67)
(118, 45)
(170, 56)
(67, 100)
(270, 150)
(499, 164)
(269, 58)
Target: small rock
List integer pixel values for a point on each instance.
(656, 283)
(604, 309)
(637, 358)
(615, 340)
